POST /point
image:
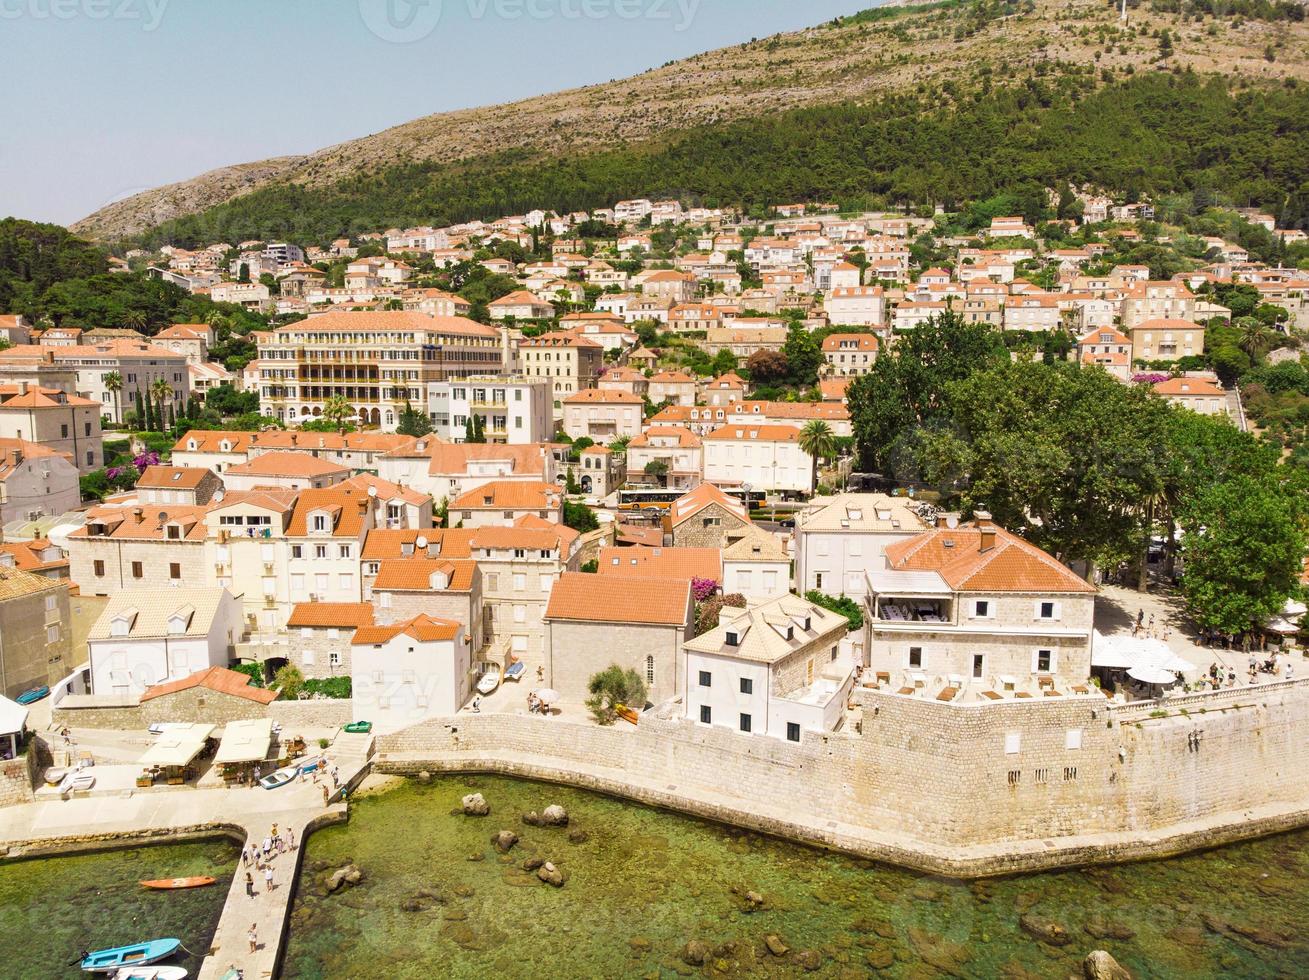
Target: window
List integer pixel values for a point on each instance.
(706, 678)
(347, 582)
(982, 608)
(320, 522)
(90, 458)
(63, 431)
(320, 583)
(51, 603)
(1047, 610)
(1073, 739)
(1043, 661)
(745, 722)
(343, 551)
(297, 551)
(138, 571)
(916, 657)
(52, 634)
(99, 568)
(649, 670)
(334, 659)
(174, 570)
(320, 551)
(705, 714)
(747, 685)
(792, 731)
(978, 663)
(520, 583)
(520, 614)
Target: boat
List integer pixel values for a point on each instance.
(489, 681)
(625, 713)
(515, 671)
(77, 781)
(138, 954)
(32, 695)
(55, 775)
(195, 881)
(152, 973)
(280, 778)
(358, 727)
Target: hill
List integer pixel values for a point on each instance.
(939, 55)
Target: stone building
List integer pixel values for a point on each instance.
(838, 540)
(131, 546)
(36, 481)
(699, 519)
(34, 633)
(450, 589)
(193, 485)
(318, 637)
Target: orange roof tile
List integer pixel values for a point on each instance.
(286, 464)
(747, 432)
(687, 563)
(510, 495)
(581, 597)
(1010, 565)
(328, 615)
(606, 396)
(694, 501)
(415, 574)
(383, 543)
(423, 628)
(218, 679)
(189, 477)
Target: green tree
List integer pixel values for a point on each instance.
(163, 398)
(336, 410)
(817, 440)
(413, 422)
(149, 419)
(113, 382)
(580, 517)
(611, 688)
(289, 681)
(1256, 337)
(804, 356)
(657, 469)
(1244, 549)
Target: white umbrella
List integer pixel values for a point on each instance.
(1151, 674)
(547, 694)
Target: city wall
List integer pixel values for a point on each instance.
(958, 789)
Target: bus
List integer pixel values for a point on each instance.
(660, 500)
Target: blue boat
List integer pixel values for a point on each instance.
(33, 695)
(106, 960)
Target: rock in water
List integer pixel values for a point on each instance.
(695, 952)
(554, 816)
(1099, 965)
(504, 840)
(1046, 930)
(775, 945)
(809, 959)
(550, 875)
(424, 777)
(475, 805)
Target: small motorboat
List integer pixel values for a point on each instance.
(358, 727)
(515, 671)
(78, 781)
(55, 775)
(195, 881)
(138, 954)
(626, 713)
(32, 695)
(307, 766)
(280, 778)
(152, 973)
(489, 681)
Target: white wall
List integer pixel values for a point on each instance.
(406, 681)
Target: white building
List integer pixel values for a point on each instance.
(148, 636)
(863, 306)
(774, 669)
(839, 540)
(515, 411)
(761, 457)
(406, 672)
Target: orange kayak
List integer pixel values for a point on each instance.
(195, 882)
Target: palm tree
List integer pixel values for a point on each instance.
(163, 395)
(817, 440)
(135, 320)
(337, 409)
(1255, 337)
(113, 382)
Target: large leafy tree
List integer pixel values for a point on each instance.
(907, 386)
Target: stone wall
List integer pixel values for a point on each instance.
(193, 705)
(15, 782)
(969, 789)
(316, 713)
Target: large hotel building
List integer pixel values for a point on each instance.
(376, 360)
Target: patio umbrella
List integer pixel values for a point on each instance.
(547, 694)
(1151, 674)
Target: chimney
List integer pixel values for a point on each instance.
(22, 387)
(985, 530)
(947, 520)
(138, 514)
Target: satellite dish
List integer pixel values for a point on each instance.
(372, 491)
(218, 496)
(421, 542)
(163, 515)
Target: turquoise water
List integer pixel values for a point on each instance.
(438, 901)
(51, 909)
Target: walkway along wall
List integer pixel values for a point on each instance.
(960, 789)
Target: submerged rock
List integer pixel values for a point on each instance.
(1099, 965)
(531, 864)
(475, 805)
(554, 816)
(424, 777)
(695, 952)
(504, 841)
(775, 945)
(551, 875)
(809, 959)
(1102, 928)
(348, 875)
(578, 837)
(1046, 930)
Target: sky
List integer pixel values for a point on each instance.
(106, 98)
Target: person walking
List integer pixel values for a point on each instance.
(253, 936)
(268, 878)
(324, 796)
(249, 884)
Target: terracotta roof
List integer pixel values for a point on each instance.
(543, 538)
(286, 464)
(581, 597)
(358, 441)
(833, 389)
(14, 582)
(29, 556)
(634, 534)
(208, 442)
(383, 543)
(685, 438)
(673, 377)
(423, 628)
(1098, 335)
(345, 505)
(1010, 565)
(1189, 387)
(349, 321)
(687, 563)
(788, 410)
(145, 522)
(327, 615)
(691, 503)
(454, 458)
(607, 396)
(559, 338)
(861, 341)
(188, 477)
(510, 495)
(218, 679)
(747, 433)
(415, 574)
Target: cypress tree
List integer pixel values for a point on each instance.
(148, 423)
(140, 411)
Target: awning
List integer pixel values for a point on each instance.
(1122, 651)
(1280, 625)
(177, 746)
(245, 741)
(13, 716)
(1148, 674)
